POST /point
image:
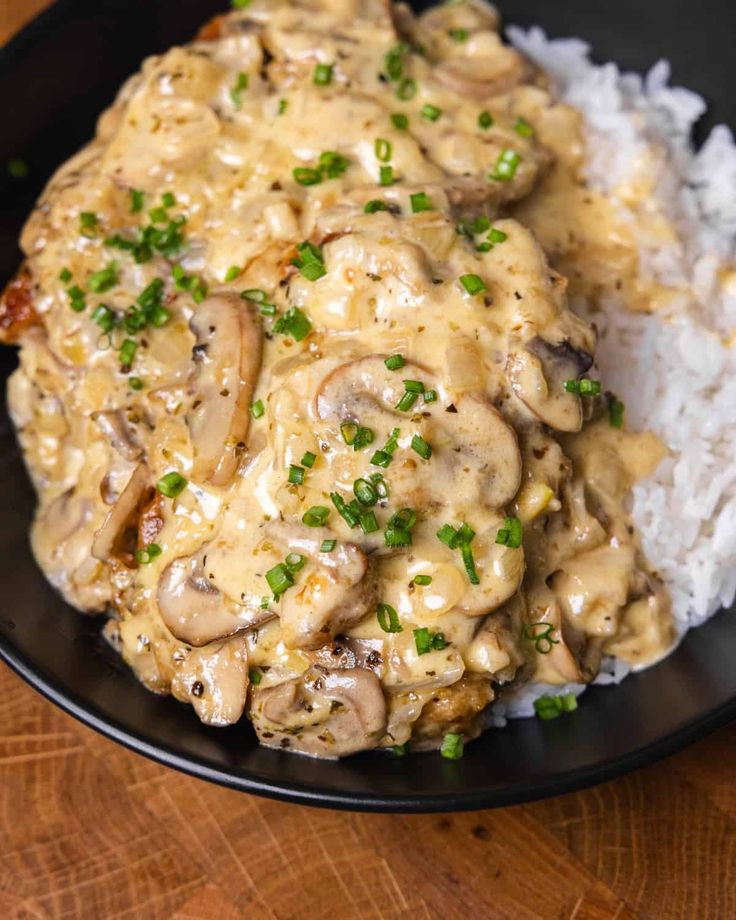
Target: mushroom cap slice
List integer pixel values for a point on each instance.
(113, 425)
(474, 436)
(214, 679)
(537, 372)
(109, 540)
(228, 357)
(195, 611)
(324, 713)
(333, 591)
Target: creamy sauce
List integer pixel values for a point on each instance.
(384, 637)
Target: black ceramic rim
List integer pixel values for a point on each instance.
(328, 798)
(323, 796)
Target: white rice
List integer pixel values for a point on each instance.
(673, 369)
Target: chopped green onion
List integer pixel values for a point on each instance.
(394, 61)
(305, 175)
(65, 276)
(323, 74)
(363, 438)
(135, 383)
(127, 352)
(172, 484)
(255, 294)
(333, 164)
(88, 221)
(309, 261)
(467, 553)
(255, 675)
(368, 522)
(386, 175)
(380, 483)
(296, 474)
(458, 35)
(510, 534)
(422, 580)
(158, 215)
(365, 492)
(257, 408)
(407, 401)
(616, 411)
(241, 83)
(523, 128)
(414, 386)
(151, 294)
(473, 284)
(584, 387)
(452, 746)
(240, 4)
(448, 535)
(407, 89)
(398, 750)
(422, 640)
(430, 396)
(104, 317)
(388, 619)
(375, 204)
(421, 447)
(327, 546)
(550, 707)
(267, 309)
(506, 166)
(497, 236)
(383, 149)
(420, 201)
(381, 458)
(399, 121)
(148, 554)
(295, 561)
(293, 323)
(395, 536)
(541, 635)
(349, 431)
(431, 112)
(404, 519)
(394, 362)
(344, 510)
(136, 200)
(283, 105)
(232, 273)
(316, 516)
(279, 579)
(485, 120)
(308, 459)
(168, 199)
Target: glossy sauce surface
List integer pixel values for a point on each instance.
(254, 351)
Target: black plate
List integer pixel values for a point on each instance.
(54, 79)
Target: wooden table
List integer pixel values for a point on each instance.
(89, 830)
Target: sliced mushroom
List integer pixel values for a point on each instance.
(457, 708)
(113, 425)
(572, 657)
(333, 591)
(537, 373)
(323, 713)
(472, 440)
(346, 652)
(228, 357)
(593, 587)
(494, 650)
(116, 538)
(195, 611)
(214, 679)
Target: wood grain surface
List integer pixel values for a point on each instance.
(90, 830)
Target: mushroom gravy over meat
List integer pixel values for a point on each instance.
(300, 391)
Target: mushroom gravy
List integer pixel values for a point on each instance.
(300, 391)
